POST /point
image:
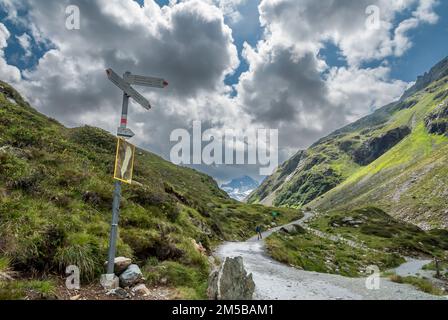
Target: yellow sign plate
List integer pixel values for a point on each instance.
(124, 161)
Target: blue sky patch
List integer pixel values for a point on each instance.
(14, 53)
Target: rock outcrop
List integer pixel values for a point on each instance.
(439, 71)
(437, 121)
(374, 148)
(231, 281)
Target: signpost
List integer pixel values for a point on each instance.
(127, 89)
(145, 81)
(124, 161)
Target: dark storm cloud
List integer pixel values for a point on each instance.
(284, 89)
(191, 47)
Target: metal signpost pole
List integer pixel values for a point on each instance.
(117, 198)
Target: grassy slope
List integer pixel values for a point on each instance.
(312, 253)
(56, 195)
(385, 241)
(411, 180)
(379, 231)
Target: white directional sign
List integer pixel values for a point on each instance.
(131, 92)
(145, 81)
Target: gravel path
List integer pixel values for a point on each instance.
(276, 281)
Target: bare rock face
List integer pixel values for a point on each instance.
(231, 281)
(376, 147)
(437, 121)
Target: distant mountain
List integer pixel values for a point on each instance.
(240, 188)
(394, 159)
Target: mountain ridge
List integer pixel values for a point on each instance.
(240, 188)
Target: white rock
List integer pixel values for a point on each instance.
(109, 281)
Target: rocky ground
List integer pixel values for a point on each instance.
(96, 292)
(275, 281)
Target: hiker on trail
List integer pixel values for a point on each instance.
(258, 230)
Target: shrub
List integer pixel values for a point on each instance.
(172, 211)
(377, 231)
(14, 290)
(98, 194)
(11, 167)
(145, 196)
(148, 243)
(70, 178)
(82, 251)
(190, 280)
(30, 246)
(205, 241)
(93, 137)
(23, 137)
(61, 200)
(4, 264)
(28, 183)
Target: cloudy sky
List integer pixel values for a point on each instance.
(304, 67)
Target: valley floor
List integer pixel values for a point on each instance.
(276, 281)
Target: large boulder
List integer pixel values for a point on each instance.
(131, 276)
(231, 281)
(293, 229)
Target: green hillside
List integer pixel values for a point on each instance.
(380, 240)
(55, 206)
(394, 159)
